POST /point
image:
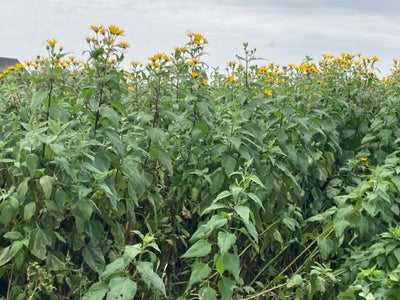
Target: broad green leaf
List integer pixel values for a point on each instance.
(149, 276)
(213, 207)
(222, 195)
(370, 208)
(232, 264)
(85, 208)
(290, 223)
(294, 281)
(166, 161)
(29, 211)
(277, 236)
(131, 251)
(204, 230)
(225, 288)
(257, 181)
(225, 241)
(41, 240)
(121, 288)
(97, 291)
(46, 182)
(13, 235)
(255, 199)
(21, 191)
(117, 266)
(94, 257)
(219, 264)
(109, 114)
(243, 212)
(251, 229)
(325, 247)
(207, 293)
(340, 226)
(229, 164)
(199, 249)
(217, 181)
(9, 252)
(200, 271)
(37, 100)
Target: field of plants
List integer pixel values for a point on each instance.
(176, 180)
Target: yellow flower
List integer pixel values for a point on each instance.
(159, 57)
(136, 64)
(124, 45)
(193, 61)
(268, 92)
(130, 88)
(231, 78)
(375, 58)
(319, 81)
(95, 28)
(51, 42)
(195, 74)
(197, 39)
(363, 158)
(109, 41)
(102, 30)
(113, 29)
(180, 49)
(204, 82)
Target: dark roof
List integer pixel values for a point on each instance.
(5, 62)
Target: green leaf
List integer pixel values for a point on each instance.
(200, 271)
(109, 114)
(213, 207)
(21, 191)
(229, 164)
(117, 266)
(94, 257)
(257, 181)
(225, 288)
(219, 264)
(166, 161)
(9, 252)
(97, 291)
(222, 195)
(207, 293)
(41, 240)
(122, 288)
(13, 235)
(243, 212)
(131, 251)
(204, 230)
(294, 281)
(255, 199)
(199, 249)
(370, 208)
(325, 247)
(232, 264)
(340, 226)
(29, 211)
(37, 100)
(46, 182)
(149, 276)
(225, 241)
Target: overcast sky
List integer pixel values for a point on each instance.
(282, 31)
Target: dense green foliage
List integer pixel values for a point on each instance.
(175, 181)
